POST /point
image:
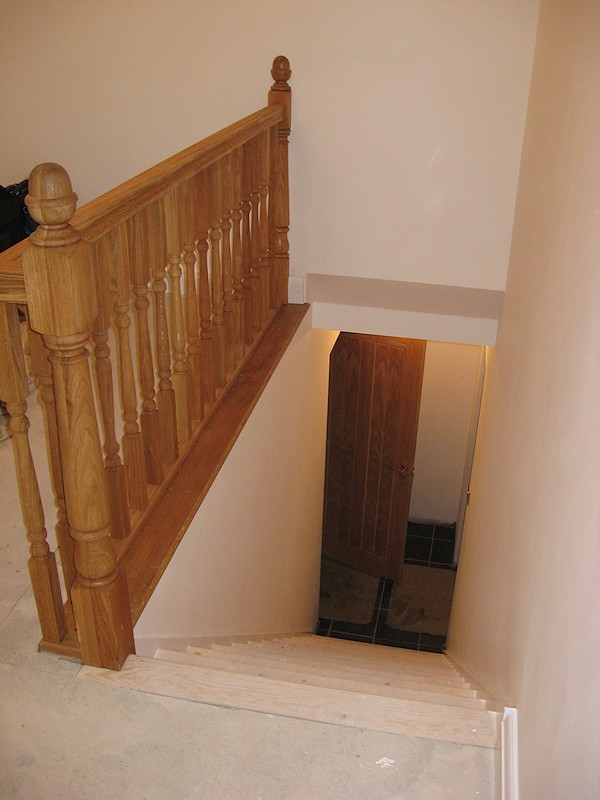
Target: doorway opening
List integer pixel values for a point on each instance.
(391, 540)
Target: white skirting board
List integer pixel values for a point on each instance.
(296, 291)
(510, 755)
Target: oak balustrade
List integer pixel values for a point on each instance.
(42, 563)
(43, 374)
(207, 345)
(115, 471)
(236, 254)
(113, 251)
(263, 226)
(194, 252)
(165, 396)
(187, 195)
(252, 178)
(180, 381)
(139, 233)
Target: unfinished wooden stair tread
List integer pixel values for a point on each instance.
(364, 667)
(234, 677)
(401, 679)
(330, 644)
(354, 653)
(359, 658)
(330, 679)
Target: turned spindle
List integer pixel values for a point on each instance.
(42, 563)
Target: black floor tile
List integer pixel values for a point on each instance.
(387, 634)
(387, 593)
(354, 628)
(426, 648)
(418, 549)
(442, 552)
(323, 626)
(430, 640)
(380, 593)
(391, 643)
(352, 637)
(445, 532)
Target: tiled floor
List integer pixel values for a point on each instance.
(429, 545)
(426, 545)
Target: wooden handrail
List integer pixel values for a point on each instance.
(97, 217)
(182, 273)
(94, 219)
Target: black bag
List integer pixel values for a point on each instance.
(15, 222)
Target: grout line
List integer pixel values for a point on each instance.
(430, 552)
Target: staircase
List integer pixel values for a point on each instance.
(325, 680)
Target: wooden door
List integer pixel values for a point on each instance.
(374, 394)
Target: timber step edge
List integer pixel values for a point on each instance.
(332, 679)
(334, 706)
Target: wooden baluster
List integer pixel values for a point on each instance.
(236, 254)
(113, 261)
(138, 236)
(280, 94)
(60, 289)
(43, 373)
(207, 344)
(225, 180)
(253, 180)
(174, 248)
(263, 225)
(186, 198)
(216, 276)
(165, 397)
(246, 251)
(42, 562)
(115, 469)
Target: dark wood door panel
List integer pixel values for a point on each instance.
(374, 394)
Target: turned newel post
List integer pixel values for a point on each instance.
(60, 287)
(280, 94)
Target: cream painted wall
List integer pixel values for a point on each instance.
(250, 561)
(449, 382)
(526, 615)
(408, 116)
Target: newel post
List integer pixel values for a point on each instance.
(61, 297)
(280, 94)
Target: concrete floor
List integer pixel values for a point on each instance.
(64, 737)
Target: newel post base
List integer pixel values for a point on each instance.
(103, 618)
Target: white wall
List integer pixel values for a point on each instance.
(407, 123)
(526, 615)
(250, 561)
(449, 382)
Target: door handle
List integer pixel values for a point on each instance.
(401, 470)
